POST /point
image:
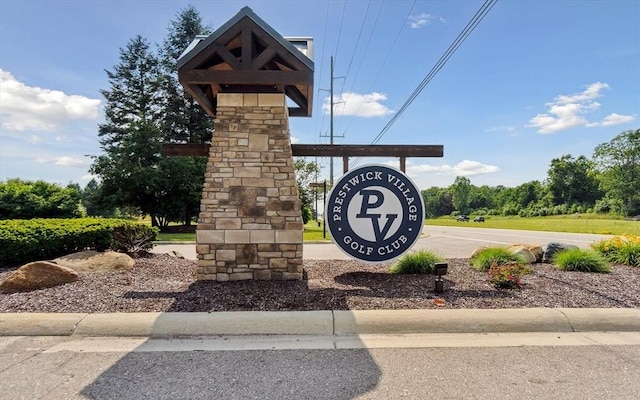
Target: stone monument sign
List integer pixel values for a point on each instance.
(245, 75)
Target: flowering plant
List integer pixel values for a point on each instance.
(508, 276)
(622, 249)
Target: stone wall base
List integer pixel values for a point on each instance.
(250, 222)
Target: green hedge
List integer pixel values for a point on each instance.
(26, 240)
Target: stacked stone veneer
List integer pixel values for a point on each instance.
(250, 224)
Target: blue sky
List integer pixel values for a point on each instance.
(534, 81)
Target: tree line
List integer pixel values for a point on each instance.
(608, 182)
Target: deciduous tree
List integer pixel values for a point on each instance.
(619, 164)
(461, 194)
(572, 181)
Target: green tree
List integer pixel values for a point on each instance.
(528, 193)
(184, 121)
(96, 203)
(481, 198)
(618, 162)
(437, 202)
(306, 171)
(131, 136)
(572, 181)
(461, 189)
(21, 199)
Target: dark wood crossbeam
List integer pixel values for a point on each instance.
(323, 150)
(359, 150)
(326, 150)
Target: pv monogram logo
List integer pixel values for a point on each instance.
(374, 213)
(366, 205)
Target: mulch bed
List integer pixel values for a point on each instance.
(164, 283)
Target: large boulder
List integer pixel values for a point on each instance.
(93, 261)
(37, 275)
(524, 252)
(551, 248)
(537, 251)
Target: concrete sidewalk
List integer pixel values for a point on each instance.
(336, 323)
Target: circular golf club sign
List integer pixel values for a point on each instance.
(374, 213)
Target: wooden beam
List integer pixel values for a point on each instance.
(197, 93)
(247, 47)
(298, 112)
(357, 150)
(326, 150)
(185, 149)
(263, 58)
(226, 55)
(208, 77)
(294, 94)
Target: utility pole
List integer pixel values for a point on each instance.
(331, 125)
(332, 105)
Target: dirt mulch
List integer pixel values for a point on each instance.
(164, 283)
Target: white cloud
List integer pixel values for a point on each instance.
(359, 105)
(613, 119)
(88, 177)
(568, 111)
(419, 20)
(463, 168)
(26, 108)
(64, 161)
(294, 140)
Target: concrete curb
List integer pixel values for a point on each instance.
(322, 323)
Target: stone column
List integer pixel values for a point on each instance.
(250, 223)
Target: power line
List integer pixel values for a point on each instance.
(386, 58)
(324, 39)
(355, 48)
(344, 7)
(475, 21)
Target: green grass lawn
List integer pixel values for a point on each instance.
(578, 223)
(312, 232)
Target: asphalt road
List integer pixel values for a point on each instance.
(127, 368)
(462, 241)
(449, 242)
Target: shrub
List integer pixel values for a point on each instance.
(581, 260)
(43, 239)
(507, 276)
(417, 262)
(485, 258)
(620, 249)
(39, 199)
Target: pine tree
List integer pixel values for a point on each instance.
(184, 121)
(131, 136)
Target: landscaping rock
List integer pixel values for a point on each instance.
(37, 275)
(537, 251)
(551, 248)
(523, 252)
(93, 261)
(478, 250)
